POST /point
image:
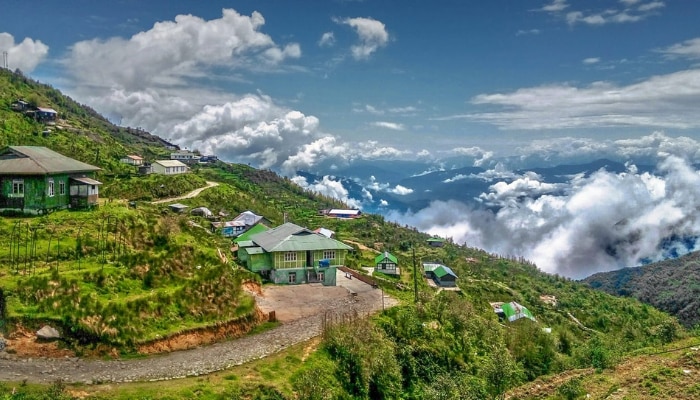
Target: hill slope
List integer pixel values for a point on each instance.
(670, 285)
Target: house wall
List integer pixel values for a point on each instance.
(300, 275)
(446, 281)
(300, 262)
(36, 198)
(258, 262)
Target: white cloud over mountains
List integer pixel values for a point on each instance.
(25, 55)
(602, 222)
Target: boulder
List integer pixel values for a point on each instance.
(48, 333)
(2, 344)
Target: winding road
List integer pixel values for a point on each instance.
(197, 361)
(189, 195)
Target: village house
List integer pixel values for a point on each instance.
(45, 114)
(132, 160)
(36, 180)
(292, 254)
(339, 213)
(442, 275)
(186, 157)
(436, 242)
(242, 223)
(168, 167)
(387, 263)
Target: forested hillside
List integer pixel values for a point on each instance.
(125, 274)
(670, 285)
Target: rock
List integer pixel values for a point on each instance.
(2, 344)
(48, 333)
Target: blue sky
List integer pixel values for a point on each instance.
(269, 81)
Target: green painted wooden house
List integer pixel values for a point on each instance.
(387, 263)
(37, 180)
(291, 254)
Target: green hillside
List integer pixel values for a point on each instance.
(671, 285)
(121, 276)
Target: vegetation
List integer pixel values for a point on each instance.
(670, 285)
(121, 276)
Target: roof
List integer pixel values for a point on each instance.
(385, 255)
(436, 239)
(429, 266)
(245, 236)
(344, 212)
(291, 237)
(87, 181)
(170, 163)
(37, 160)
(515, 311)
(254, 250)
(248, 218)
(133, 157)
(443, 271)
(47, 110)
(325, 232)
(178, 206)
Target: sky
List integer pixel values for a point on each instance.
(503, 84)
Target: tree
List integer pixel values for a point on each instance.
(500, 372)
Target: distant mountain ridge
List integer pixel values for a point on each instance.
(670, 285)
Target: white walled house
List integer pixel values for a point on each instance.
(168, 167)
(132, 160)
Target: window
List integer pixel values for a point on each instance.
(18, 187)
(329, 254)
(292, 277)
(50, 188)
(320, 276)
(290, 256)
(61, 188)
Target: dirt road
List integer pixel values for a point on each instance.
(189, 195)
(295, 328)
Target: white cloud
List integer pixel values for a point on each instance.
(327, 40)
(630, 12)
(688, 49)
(172, 51)
(591, 60)
(401, 190)
(523, 32)
(327, 186)
(372, 35)
(25, 55)
(665, 101)
(389, 125)
(603, 222)
(555, 6)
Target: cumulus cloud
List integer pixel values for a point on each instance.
(371, 33)
(25, 55)
(478, 155)
(401, 190)
(602, 222)
(664, 101)
(172, 51)
(329, 187)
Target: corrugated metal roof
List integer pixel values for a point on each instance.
(170, 163)
(248, 218)
(384, 255)
(87, 181)
(291, 237)
(431, 266)
(442, 271)
(254, 250)
(37, 160)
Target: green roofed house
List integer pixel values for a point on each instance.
(441, 274)
(436, 242)
(36, 180)
(387, 263)
(513, 311)
(292, 254)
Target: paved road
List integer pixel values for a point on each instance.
(194, 362)
(189, 195)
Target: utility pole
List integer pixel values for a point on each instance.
(415, 274)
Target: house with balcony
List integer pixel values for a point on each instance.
(37, 180)
(291, 254)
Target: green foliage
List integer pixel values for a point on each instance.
(572, 389)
